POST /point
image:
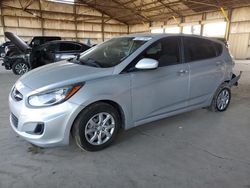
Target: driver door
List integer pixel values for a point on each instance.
(165, 89)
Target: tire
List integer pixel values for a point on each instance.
(221, 99)
(20, 67)
(88, 131)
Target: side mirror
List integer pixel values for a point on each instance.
(147, 64)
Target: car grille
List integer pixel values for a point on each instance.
(14, 120)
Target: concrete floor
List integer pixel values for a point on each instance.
(198, 149)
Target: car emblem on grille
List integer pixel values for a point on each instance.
(17, 95)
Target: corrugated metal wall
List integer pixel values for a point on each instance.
(69, 21)
(239, 37)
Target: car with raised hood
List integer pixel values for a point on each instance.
(120, 84)
(11, 50)
(39, 55)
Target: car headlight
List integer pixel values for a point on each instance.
(53, 97)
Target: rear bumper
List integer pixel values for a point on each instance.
(234, 80)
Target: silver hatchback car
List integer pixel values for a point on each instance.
(119, 84)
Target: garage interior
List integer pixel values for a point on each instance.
(194, 149)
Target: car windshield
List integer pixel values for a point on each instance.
(111, 52)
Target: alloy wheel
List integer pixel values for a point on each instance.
(223, 99)
(21, 68)
(100, 128)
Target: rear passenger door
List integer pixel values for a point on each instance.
(206, 68)
(67, 50)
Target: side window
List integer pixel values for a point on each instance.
(84, 48)
(69, 47)
(50, 48)
(198, 49)
(35, 42)
(78, 47)
(166, 51)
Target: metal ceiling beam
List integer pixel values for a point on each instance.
(165, 16)
(102, 11)
(202, 3)
(159, 6)
(24, 8)
(28, 4)
(31, 11)
(146, 10)
(155, 2)
(170, 8)
(131, 1)
(138, 13)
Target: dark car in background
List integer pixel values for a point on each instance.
(55, 51)
(31, 58)
(12, 49)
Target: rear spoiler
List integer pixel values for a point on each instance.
(234, 80)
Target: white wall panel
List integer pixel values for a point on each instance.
(241, 14)
(29, 22)
(11, 21)
(239, 45)
(22, 32)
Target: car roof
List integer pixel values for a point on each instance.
(62, 41)
(46, 37)
(163, 35)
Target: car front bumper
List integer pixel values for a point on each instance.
(6, 63)
(44, 127)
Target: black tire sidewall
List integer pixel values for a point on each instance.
(218, 93)
(84, 117)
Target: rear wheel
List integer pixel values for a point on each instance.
(96, 127)
(221, 98)
(20, 67)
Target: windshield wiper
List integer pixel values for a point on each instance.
(90, 62)
(74, 58)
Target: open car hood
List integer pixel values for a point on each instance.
(18, 42)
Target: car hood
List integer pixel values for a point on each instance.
(17, 41)
(61, 74)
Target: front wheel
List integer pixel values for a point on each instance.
(96, 127)
(221, 99)
(20, 67)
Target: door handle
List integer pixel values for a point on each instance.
(182, 71)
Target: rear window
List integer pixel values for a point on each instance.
(69, 47)
(200, 49)
(37, 41)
